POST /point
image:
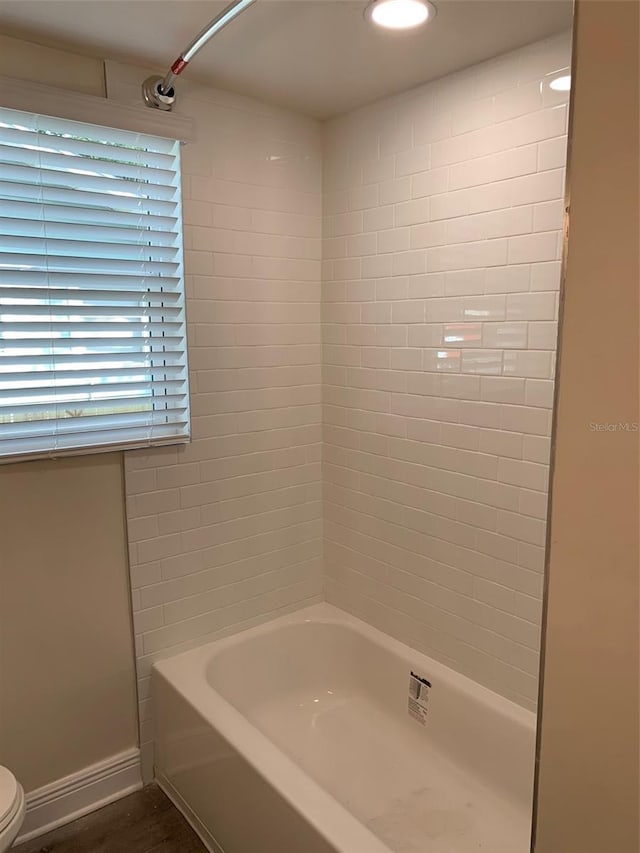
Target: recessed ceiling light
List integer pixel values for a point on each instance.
(561, 84)
(400, 14)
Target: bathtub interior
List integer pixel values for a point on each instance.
(308, 675)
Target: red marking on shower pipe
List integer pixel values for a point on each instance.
(179, 65)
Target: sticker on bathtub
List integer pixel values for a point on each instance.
(418, 702)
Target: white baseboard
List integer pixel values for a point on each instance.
(74, 796)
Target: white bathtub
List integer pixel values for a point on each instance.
(295, 737)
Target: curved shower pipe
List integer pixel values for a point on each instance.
(159, 92)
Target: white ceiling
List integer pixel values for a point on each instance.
(319, 57)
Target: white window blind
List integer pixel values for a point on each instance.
(93, 351)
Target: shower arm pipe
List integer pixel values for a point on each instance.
(158, 92)
(214, 26)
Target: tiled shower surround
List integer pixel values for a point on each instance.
(407, 483)
(442, 245)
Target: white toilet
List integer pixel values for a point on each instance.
(12, 808)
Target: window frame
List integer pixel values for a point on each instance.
(102, 108)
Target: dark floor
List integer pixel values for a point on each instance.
(144, 822)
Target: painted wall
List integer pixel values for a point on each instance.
(60, 68)
(67, 682)
(67, 687)
(227, 531)
(443, 210)
(589, 771)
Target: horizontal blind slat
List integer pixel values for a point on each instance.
(77, 311)
(156, 357)
(130, 266)
(89, 281)
(41, 156)
(28, 173)
(48, 246)
(65, 401)
(19, 296)
(33, 210)
(109, 137)
(74, 333)
(50, 229)
(77, 389)
(61, 346)
(82, 196)
(31, 137)
(74, 426)
(84, 373)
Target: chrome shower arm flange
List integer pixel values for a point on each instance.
(154, 95)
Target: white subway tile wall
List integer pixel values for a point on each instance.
(430, 361)
(441, 267)
(227, 531)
